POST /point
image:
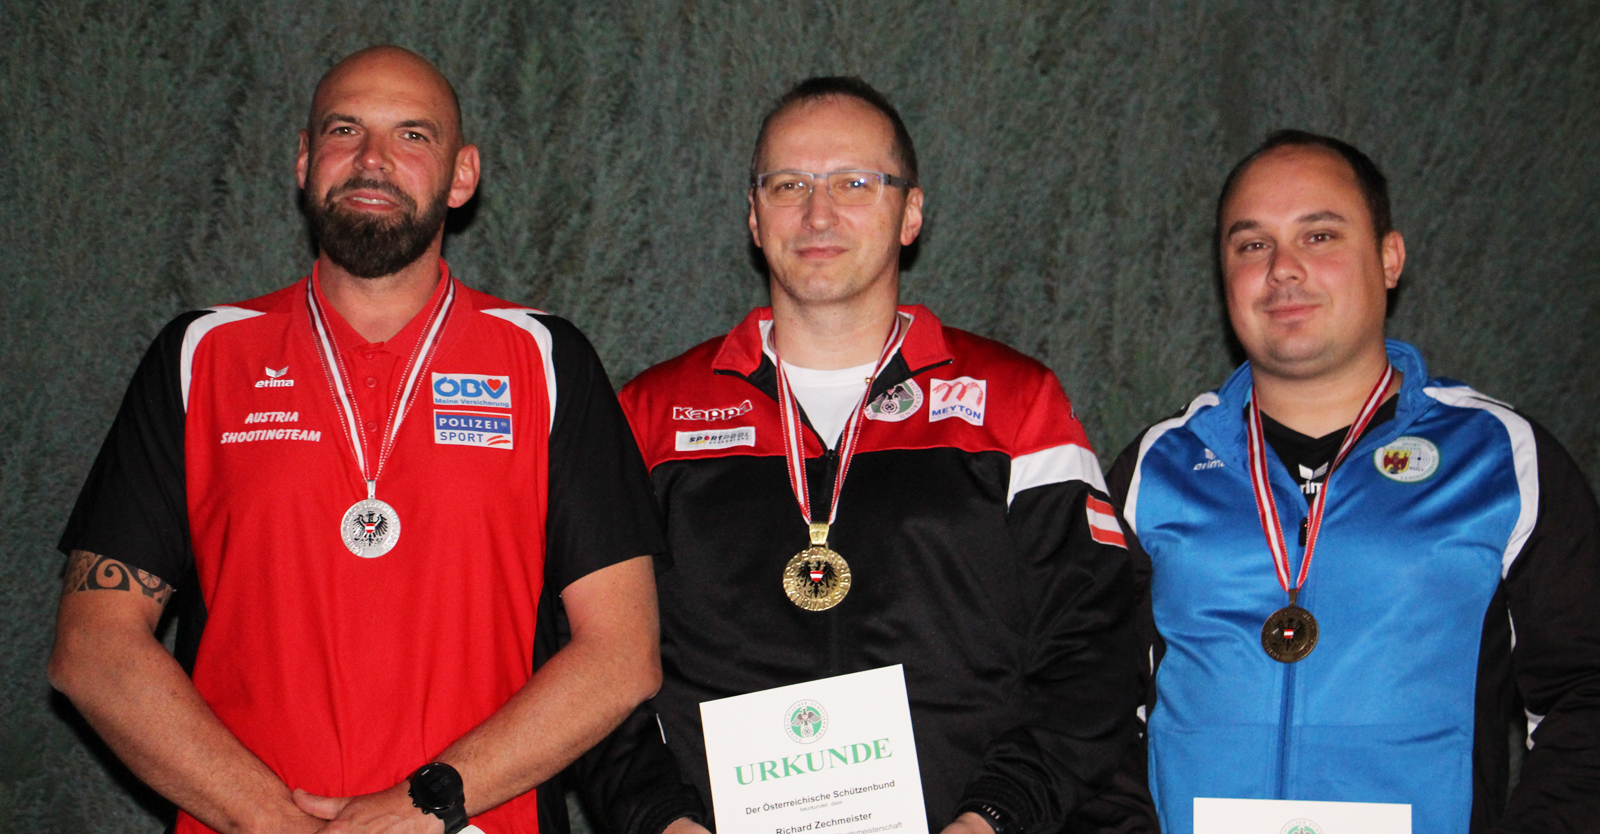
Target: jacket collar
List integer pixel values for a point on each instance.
(741, 353)
(1222, 427)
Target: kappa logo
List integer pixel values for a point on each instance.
(472, 390)
(703, 441)
(805, 721)
(1211, 462)
(465, 428)
(275, 378)
(680, 412)
(897, 403)
(962, 397)
(1407, 459)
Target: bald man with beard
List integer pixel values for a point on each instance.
(379, 486)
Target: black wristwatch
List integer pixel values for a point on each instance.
(998, 819)
(436, 789)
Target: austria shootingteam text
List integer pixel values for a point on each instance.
(817, 760)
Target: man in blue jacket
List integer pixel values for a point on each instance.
(1359, 576)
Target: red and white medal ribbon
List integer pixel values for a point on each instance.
(1267, 508)
(794, 447)
(370, 528)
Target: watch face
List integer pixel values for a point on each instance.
(436, 786)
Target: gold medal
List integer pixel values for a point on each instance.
(817, 578)
(1289, 634)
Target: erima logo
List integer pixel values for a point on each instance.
(1210, 462)
(275, 379)
(1310, 476)
(700, 441)
(680, 412)
(472, 389)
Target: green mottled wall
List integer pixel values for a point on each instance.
(1071, 153)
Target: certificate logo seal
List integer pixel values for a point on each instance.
(1407, 459)
(805, 721)
(1301, 827)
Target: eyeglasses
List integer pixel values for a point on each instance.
(781, 189)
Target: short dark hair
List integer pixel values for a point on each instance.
(832, 86)
(1374, 186)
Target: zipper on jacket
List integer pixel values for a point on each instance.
(1285, 723)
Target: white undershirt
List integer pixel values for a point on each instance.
(828, 397)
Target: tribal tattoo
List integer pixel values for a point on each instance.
(92, 572)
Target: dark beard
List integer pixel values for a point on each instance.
(372, 247)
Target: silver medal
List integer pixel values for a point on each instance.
(370, 528)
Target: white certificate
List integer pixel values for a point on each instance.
(1295, 816)
(831, 756)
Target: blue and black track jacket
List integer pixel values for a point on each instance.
(1457, 585)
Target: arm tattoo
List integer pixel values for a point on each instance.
(92, 572)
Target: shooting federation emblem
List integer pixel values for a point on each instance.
(897, 403)
(805, 721)
(1407, 459)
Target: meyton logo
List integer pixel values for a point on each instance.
(275, 379)
(465, 428)
(706, 440)
(472, 390)
(1407, 459)
(805, 721)
(897, 403)
(962, 397)
(681, 412)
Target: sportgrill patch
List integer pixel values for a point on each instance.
(698, 441)
(464, 428)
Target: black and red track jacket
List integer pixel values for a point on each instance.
(984, 558)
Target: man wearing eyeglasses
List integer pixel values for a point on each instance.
(956, 512)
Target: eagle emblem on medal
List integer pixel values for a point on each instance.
(816, 579)
(370, 528)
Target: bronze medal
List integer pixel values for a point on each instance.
(817, 578)
(1289, 634)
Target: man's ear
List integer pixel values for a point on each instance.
(464, 180)
(1393, 251)
(302, 160)
(755, 224)
(911, 219)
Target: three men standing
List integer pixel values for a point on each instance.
(946, 474)
(1358, 572)
(380, 481)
